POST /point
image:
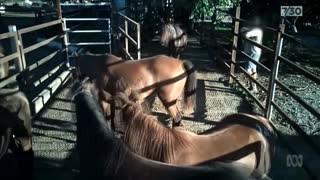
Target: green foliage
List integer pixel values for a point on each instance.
(207, 9)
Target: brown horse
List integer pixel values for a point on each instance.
(237, 138)
(174, 38)
(163, 75)
(103, 156)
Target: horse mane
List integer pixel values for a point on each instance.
(149, 138)
(173, 33)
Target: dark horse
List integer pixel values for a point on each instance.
(15, 134)
(104, 156)
(174, 38)
(162, 75)
(238, 137)
(15, 130)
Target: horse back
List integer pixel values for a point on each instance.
(159, 68)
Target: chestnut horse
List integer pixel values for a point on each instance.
(174, 38)
(163, 75)
(104, 156)
(236, 138)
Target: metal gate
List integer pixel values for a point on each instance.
(82, 26)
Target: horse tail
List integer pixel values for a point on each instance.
(190, 87)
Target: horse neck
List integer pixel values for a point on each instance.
(150, 139)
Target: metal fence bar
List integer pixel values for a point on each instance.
(247, 91)
(302, 70)
(87, 19)
(128, 37)
(89, 43)
(234, 46)
(9, 80)
(38, 27)
(7, 35)
(313, 110)
(257, 82)
(9, 57)
(250, 23)
(127, 18)
(139, 40)
(43, 60)
(274, 73)
(125, 32)
(88, 31)
(256, 62)
(297, 128)
(261, 46)
(40, 44)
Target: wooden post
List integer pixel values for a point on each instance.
(138, 41)
(235, 45)
(274, 73)
(126, 38)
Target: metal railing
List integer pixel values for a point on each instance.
(274, 82)
(30, 83)
(75, 30)
(134, 40)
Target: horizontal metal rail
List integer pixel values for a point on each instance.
(248, 92)
(254, 80)
(305, 104)
(302, 70)
(7, 35)
(44, 60)
(87, 19)
(86, 4)
(42, 43)
(128, 36)
(37, 82)
(9, 80)
(255, 62)
(89, 43)
(127, 18)
(297, 128)
(250, 23)
(40, 26)
(88, 31)
(9, 57)
(263, 47)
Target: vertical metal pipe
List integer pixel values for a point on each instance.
(15, 45)
(274, 73)
(110, 31)
(235, 45)
(126, 38)
(138, 41)
(66, 40)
